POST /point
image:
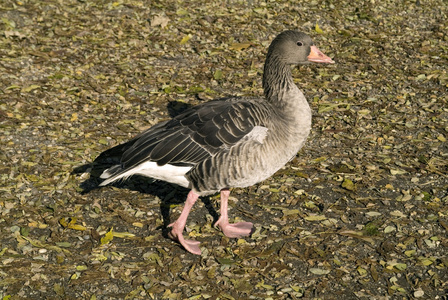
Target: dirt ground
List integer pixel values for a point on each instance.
(360, 213)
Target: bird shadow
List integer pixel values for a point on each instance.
(168, 193)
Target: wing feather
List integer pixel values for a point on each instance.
(168, 149)
(198, 133)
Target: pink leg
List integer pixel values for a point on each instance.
(179, 225)
(231, 230)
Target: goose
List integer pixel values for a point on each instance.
(230, 142)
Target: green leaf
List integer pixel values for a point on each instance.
(289, 212)
(426, 262)
(107, 237)
(362, 271)
(30, 88)
(123, 234)
(317, 29)
(9, 23)
(400, 266)
(330, 106)
(315, 218)
(12, 87)
(348, 184)
(185, 39)
(3, 251)
(59, 289)
(63, 244)
(421, 77)
(81, 268)
(397, 172)
(240, 46)
(217, 75)
(181, 12)
(264, 286)
(371, 228)
(318, 271)
(24, 231)
(103, 141)
(153, 257)
(373, 214)
(389, 229)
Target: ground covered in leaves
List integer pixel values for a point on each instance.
(360, 213)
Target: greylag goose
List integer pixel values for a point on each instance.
(232, 142)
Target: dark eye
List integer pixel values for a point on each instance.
(299, 43)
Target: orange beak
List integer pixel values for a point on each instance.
(317, 56)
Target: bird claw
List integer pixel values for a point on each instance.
(235, 230)
(189, 245)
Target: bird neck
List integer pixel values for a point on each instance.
(277, 81)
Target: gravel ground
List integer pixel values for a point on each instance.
(360, 213)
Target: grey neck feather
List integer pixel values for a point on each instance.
(277, 79)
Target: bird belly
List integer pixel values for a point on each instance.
(245, 165)
(168, 173)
